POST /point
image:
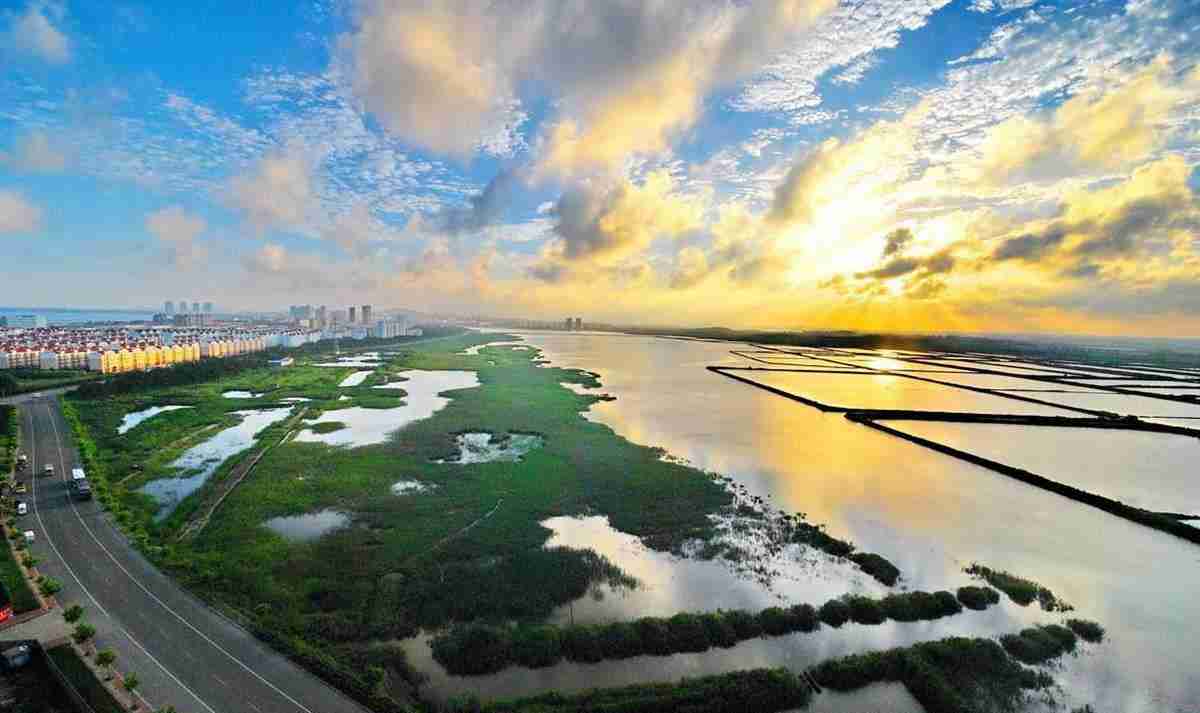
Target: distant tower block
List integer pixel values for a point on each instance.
(169, 307)
(208, 308)
(196, 307)
(567, 324)
(578, 323)
(366, 314)
(353, 311)
(183, 307)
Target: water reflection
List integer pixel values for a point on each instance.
(1148, 470)
(203, 459)
(309, 526)
(130, 420)
(356, 378)
(480, 448)
(368, 426)
(929, 513)
(885, 391)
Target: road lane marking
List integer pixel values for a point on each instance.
(38, 514)
(185, 622)
(32, 442)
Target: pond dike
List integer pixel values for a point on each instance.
(1170, 523)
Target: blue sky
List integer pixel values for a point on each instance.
(720, 162)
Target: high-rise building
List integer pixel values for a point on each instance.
(183, 307)
(321, 315)
(196, 307)
(352, 314)
(366, 314)
(208, 308)
(578, 323)
(567, 324)
(169, 307)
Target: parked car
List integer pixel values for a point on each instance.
(29, 537)
(48, 470)
(22, 508)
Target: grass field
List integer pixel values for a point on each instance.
(468, 548)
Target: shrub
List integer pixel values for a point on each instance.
(49, 586)
(774, 621)
(656, 639)
(835, 613)
(1039, 644)
(1020, 590)
(620, 640)
(864, 610)
(877, 567)
(978, 598)
(473, 650)
(804, 618)
(73, 613)
(83, 632)
(745, 625)
(1089, 631)
(537, 646)
(687, 633)
(580, 643)
(720, 631)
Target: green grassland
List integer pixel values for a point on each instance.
(469, 547)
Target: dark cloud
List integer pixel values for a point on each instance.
(484, 208)
(552, 272)
(896, 267)
(1119, 235)
(897, 241)
(580, 211)
(1032, 246)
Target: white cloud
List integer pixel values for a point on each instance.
(277, 193)
(34, 32)
(627, 75)
(846, 37)
(178, 230)
(17, 214)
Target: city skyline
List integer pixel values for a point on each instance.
(971, 166)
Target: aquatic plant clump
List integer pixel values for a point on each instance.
(978, 598)
(1039, 644)
(1020, 590)
(1089, 631)
(477, 649)
(956, 675)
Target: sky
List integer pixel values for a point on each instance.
(899, 165)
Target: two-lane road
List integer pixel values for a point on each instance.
(184, 653)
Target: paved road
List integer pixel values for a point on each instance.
(184, 653)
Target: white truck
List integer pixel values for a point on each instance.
(77, 474)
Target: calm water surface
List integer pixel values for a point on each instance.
(929, 513)
(1154, 471)
(130, 420)
(368, 426)
(203, 459)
